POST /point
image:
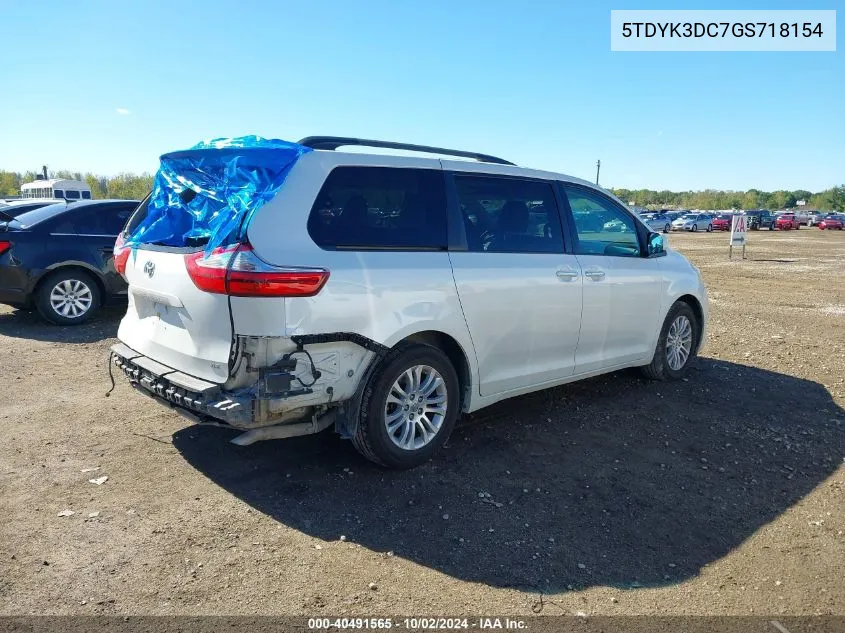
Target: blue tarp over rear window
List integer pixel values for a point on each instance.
(206, 195)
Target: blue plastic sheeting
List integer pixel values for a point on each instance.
(206, 195)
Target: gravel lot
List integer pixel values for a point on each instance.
(722, 494)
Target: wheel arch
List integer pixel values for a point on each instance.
(454, 352)
(697, 309)
(65, 267)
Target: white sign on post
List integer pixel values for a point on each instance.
(738, 226)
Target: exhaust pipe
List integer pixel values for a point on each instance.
(281, 431)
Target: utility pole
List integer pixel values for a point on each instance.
(598, 168)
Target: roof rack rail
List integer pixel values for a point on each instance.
(333, 142)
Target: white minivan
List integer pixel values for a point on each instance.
(385, 295)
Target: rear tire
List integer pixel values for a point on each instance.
(68, 297)
(667, 228)
(709, 228)
(661, 367)
(389, 431)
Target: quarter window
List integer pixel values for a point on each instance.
(103, 219)
(601, 227)
(380, 208)
(509, 215)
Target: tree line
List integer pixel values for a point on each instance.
(136, 187)
(830, 199)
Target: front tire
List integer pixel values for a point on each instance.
(68, 297)
(409, 407)
(694, 228)
(676, 346)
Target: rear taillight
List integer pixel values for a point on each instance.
(248, 276)
(4, 246)
(121, 255)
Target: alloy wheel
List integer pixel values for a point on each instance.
(71, 298)
(679, 343)
(416, 407)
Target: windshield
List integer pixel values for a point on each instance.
(31, 218)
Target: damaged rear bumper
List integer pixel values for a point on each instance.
(177, 389)
(274, 383)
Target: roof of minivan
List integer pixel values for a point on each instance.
(331, 158)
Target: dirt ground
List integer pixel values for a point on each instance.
(721, 494)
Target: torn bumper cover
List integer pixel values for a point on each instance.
(198, 396)
(289, 386)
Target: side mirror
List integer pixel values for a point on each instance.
(655, 245)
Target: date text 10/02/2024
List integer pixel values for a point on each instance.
(417, 624)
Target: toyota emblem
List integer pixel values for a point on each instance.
(149, 269)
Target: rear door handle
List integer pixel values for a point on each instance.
(595, 275)
(567, 275)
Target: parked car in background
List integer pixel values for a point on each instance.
(659, 222)
(816, 217)
(801, 215)
(760, 219)
(693, 222)
(722, 222)
(307, 320)
(787, 221)
(14, 208)
(831, 222)
(58, 258)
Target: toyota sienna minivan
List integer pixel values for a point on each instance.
(385, 295)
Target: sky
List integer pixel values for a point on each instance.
(108, 87)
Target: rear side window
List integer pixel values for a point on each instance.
(509, 215)
(380, 208)
(102, 219)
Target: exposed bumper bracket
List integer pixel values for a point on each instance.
(281, 431)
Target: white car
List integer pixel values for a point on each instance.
(693, 222)
(434, 287)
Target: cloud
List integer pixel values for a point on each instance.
(121, 111)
